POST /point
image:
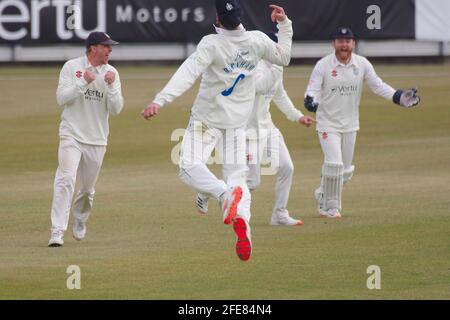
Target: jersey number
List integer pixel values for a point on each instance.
(229, 91)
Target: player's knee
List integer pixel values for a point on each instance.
(253, 183)
(87, 193)
(183, 173)
(348, 173)
(333, 169)
(66, 181)
(288, 168)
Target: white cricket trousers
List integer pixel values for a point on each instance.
(198, 144)
(339, 148)
(75, 161)
(273, 147)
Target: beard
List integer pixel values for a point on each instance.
(344, 53)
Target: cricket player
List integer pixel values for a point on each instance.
(89, 90)
(264, 138)
(227, 62)
(334, 92)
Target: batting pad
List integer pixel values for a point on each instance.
(348, 173)
(332, 182)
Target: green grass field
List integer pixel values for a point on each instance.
(145, 239)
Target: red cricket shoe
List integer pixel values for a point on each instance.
(244, 238)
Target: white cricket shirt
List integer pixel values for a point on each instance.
(87, 106)
(261, 119)
(227, 62)
(338, 87)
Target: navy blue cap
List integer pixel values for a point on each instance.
(343, 33)
(229, 13)
(95, 38)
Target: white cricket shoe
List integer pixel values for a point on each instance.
(78, 229)
(284, 220)
(229, 202)
(56, 238)
(330, 213)
(202, 203)
(244, 238)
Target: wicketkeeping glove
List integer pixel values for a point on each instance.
(407, 98)
(310, 105)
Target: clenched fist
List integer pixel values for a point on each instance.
(89, 76)
(110, 77)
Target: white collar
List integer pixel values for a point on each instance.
(233, 33)
(336, 62)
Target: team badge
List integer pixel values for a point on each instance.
(334, 73)
(229, 6)
(78, 74)
(324, 136)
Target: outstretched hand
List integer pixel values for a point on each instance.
(151, 110)
(409, 98)
(307, 121)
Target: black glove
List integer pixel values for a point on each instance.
(310, 105)
(407, 98)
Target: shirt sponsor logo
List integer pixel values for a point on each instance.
(345, 90)
(93, 95)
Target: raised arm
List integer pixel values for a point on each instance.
(183, 79)
(405, 98)
(279, 53)
(114, 100)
